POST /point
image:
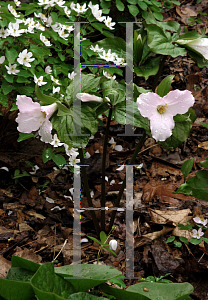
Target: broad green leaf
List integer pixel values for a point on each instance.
(183, 239)
(205, 239)
(47, 154)
(133, 9)
(84, 296)
(158, 15)
(6, 88)
(187, 167)
(196, 186)
(8, 78)
(164, 86)
(204, 124)
(114, 90)
(103, 237)
(149, 68)
(142, 5)
(120, 5)
(132, 1)
(44, 98)
(24, 136)
(47, 285)
(39, 52)
(11, 55)
(204, 163)
(59, 160)
(116, 44)
(19, 274)
(195, 241)
(13, 290)
(177, 244)
(170, 239)
(3, 100)
(91, 275)
(163, 291)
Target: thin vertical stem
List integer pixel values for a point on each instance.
(103, 171)
(87, 191)
(138, 148)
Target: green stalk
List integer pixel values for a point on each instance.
(138, 148)
(87, 191)
(103, 171)
(159, 72)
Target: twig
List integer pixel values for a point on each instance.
(60, 251)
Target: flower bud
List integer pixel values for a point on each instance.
(113, 245)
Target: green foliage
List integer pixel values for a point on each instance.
(187, 167)
(27, 280)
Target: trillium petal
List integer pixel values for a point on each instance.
(161, 126)
(49, 109)
(148, 102)
(178, 102)
(25, 104)
(85, 97)
(45, 132)
(29, 122)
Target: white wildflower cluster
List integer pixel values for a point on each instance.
(108, 56)
(72, 153)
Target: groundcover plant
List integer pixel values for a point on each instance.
(67, 66)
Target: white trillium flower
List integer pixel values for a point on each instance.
(200, 45)
(197, 234)
(160, 110)
(113, 245)
(85, 97)
(11, 69)
(39, 80)
(24, 58)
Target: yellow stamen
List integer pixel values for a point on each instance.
(161, 109)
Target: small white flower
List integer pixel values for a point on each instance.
(56, 90)
(113, 245)
(106, 55)
(120, 168)
(108, 22)
(118, 148)
(67, 11)
(72, 75)
(63, 35)
(4, 33)
(13, 29)
(80, 8)
(17, 3)
(11, 69)
(2, 59)
(200, 221)
(96, 48)
(108, 75)
(197, 234)
(34, 170)
(73, 160)
(24, 58)
(13, 11)
(56, 81)
(45, 40)
(56, 142)
(111, 141)
(39, 80)
(48, 70)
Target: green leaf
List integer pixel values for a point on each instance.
(195, 241)
(183, 240)
(94, 239)
(11, 55)
(47, 154)
(120, 5)
(13, 290)
(204, 124)
(44, 98)
(3, 100)
(84, 296)
(19, 274)
(187, 167)
(170, 239)
(158, 15)
(133, 10)
(132, 1)
(8, 78)
(165, 86)
(59, 160)
(205, 239)
(6, 88)
(47, 285)
(24, 136)
(185, 227)
(103, 237)
(91, 275)
(177, 244)
(204, 163)
(142, 5)
(149, 68)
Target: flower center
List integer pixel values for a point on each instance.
(161, 109)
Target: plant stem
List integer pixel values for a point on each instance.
(103, 171)
(138, 148)
(87, 191)
(159, 72)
